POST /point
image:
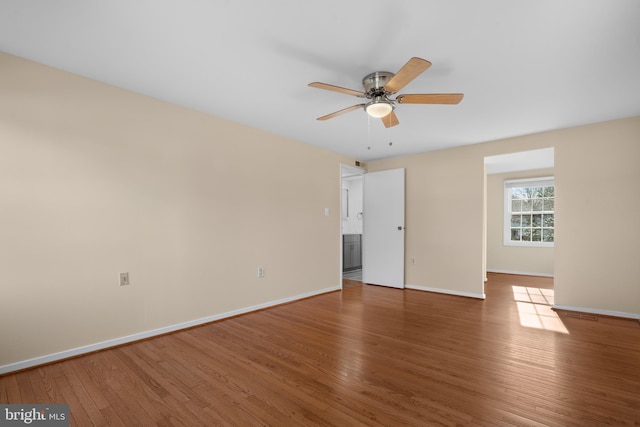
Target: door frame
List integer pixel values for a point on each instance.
(345, 171)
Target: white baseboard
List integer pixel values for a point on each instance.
(446, 291)
(41, 360)
(520, 273)
(598, 311)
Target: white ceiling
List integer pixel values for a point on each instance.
(524, 66)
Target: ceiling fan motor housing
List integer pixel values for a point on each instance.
(374, 83)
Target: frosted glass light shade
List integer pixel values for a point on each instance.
(379, 109)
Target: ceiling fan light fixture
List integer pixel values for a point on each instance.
(379, 107)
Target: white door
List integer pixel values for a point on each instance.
(383, 228)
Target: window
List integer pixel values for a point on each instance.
(529, 206)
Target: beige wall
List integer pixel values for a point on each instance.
(597, 252)
(595, 262)
(443, 218)
(512, 259)
(95, 181)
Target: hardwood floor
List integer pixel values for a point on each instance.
(367, 355)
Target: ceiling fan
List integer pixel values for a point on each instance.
(380, 85)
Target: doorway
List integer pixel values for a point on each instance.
(372, 226)
(525, 258)
(351, 224)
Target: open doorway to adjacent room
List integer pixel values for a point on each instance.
(520, 229)
(351, 223)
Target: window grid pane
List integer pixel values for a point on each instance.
(516, 220)
(516, 206)
(536, 234)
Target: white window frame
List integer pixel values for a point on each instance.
(517, 183)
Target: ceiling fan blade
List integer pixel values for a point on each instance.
(337, 89)
(390, 120)
(337, 113)
(430, 98)
(412, 69)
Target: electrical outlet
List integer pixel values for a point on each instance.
(413, 260)
(124, 279)
(260, 271)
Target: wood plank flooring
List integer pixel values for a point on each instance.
(367, 355)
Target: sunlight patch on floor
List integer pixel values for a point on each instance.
(533, 295)
(534, 309)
